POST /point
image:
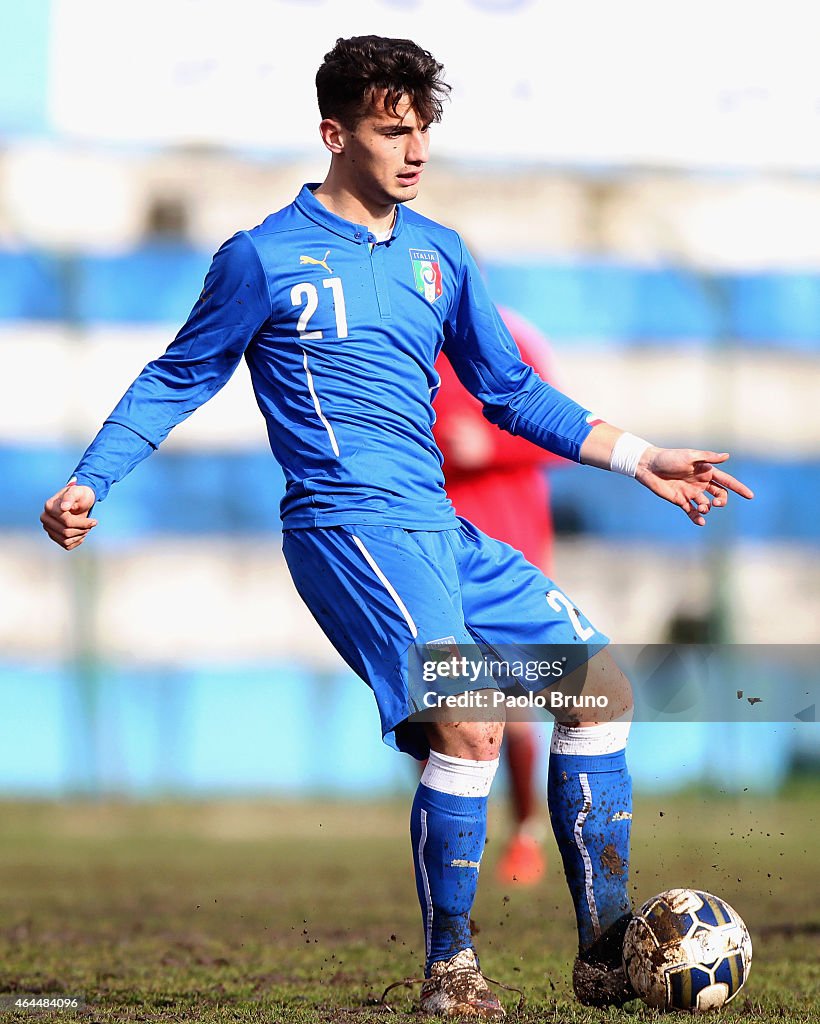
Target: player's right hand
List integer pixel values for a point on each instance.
(65, 515)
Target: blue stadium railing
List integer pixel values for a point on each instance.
(610, 303)
(242, 490)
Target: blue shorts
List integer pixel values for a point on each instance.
(377, 591)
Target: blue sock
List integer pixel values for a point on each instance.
(448, 830)
(590, 804)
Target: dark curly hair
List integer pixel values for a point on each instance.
(359, 67)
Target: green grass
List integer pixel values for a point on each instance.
(304, 912)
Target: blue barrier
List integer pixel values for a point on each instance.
(193, 730)
(610, 302)
(156, 283)
(614, 303)
(241, 492)
(279, 730)
(618, 304)
(32, 287)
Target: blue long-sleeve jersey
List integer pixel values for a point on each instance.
(340, 333)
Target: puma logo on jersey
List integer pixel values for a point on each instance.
(310, 260)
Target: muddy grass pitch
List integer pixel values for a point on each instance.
(293, 912)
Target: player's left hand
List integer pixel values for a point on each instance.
(689, 479)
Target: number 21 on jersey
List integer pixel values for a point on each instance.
(560, 602)
(307, 295)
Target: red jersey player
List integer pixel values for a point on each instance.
(497, 481)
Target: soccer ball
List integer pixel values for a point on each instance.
(687, 950)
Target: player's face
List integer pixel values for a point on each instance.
(385, 154)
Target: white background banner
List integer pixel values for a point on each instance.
(710, 83)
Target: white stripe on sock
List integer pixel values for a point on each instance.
(428, 921)
(579, 842)
(458, 776)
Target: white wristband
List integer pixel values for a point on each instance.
(626, 454)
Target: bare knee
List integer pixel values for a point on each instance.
(474, 741)
(614, 685)
(602, 682)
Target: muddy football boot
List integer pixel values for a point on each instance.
(456, 988)
(598, 976)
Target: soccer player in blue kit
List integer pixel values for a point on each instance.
(340, 304)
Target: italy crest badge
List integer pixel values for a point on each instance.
(427, 273)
